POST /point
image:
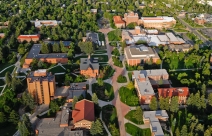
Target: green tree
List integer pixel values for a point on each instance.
(28, 100)
(2, 117)
(174, 106)
(138, 114)
(106, 92)
(99, 127)
(16, 84)
(153, 104)
(80, 36)
(23, 129)
(130, 86)
(210, 99)
(86, 47)
(8, 78)
(45, 48)
(100, 82)
(93, 128)
(203, 89)
(54, 107)
(56, 48)
(75, 100)
(95, 98)
(207, 133)
(177, 132)
(164, 103)
(14, 117)
(184, 131)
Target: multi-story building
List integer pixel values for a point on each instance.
(146, 80)
(41, 85)
(153, 118)
(181, 92)
(178, 48)
(50, 23)
(83, 114)
(131, 17)
(35, 53)
(119, 23)
(89, 67)
(140, 54)
(28, 38)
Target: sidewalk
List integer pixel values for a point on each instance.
(143, 126)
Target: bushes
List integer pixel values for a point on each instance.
(128, 96)
(117, 62)
(114, 44)
(106, 72)
(114, 35)
(121, 79)
(115, 52)
(131, 25)
(131, 68)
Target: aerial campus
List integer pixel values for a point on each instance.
(106, 68)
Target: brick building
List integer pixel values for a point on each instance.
(146, 80)
(28, 38)
(119, 23)
(199, 20)
(53, 58)
(131, 17)
(181, 92)
(41, 85)
(89, 67)
(140, 54)
(83, 114)
(153, 118)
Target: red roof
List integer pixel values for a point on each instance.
(28, 36)
(118, 20)
(170, 92)
(84, 110)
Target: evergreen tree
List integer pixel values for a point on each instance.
(75, 100)
(177, 132)
(23, 129)
(100, 82)
(106, 92)
(56, 48)
(210, 99)
(174, 106)
(95, 98)
(203, 89)
(2, 117)
(99, 127)
(80, 36)
(184, 131)
(28, 100)
(164, 103)
(153, 104)
(14, 117)
(93, 129)
(8, 78)
(130, 86)
(45, 48)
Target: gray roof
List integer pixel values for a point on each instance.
(179, 47)
(85, 63)
(66, 43)
(155, 124)
(49, 77)
(64, 116)
(77, 89)
(35, 53)
(154, 72)
(76, 133)
(93, 37)
(145, 87)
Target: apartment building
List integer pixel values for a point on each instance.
(28, 38)
(53, 58)
(41, 85)
(131, 17)
(140, 54)
(181, 92)
(119, 23)
(146, 80)
(83, 114)
(89, 67)
(153, 118)
(50, 23)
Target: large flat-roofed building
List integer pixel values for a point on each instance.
(28, 38)
(89, 67)
(157, 22)
(145, 80)
(83, 114)
(34, 53)
(119, 23)
(51, 23)
(41, 85)
(140, 54)
(181, 92)
(153, 118)
(179, 48)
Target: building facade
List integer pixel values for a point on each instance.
(131, 17)
(28, 38)
(41, 85)
(119, 23)
(89, 67)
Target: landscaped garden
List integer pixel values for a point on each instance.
(104, 91)
(106, 72)
(101, 58)
(109, 116)
(117, 61)
(57, 69)
(136, 131)
(114, 35)
(136, 116)
(121, 79)
(115, 52)
(10, 70)
(129, 96)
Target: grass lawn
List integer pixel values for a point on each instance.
(4, 65)
(136, 131)
(109, 116)
(114, 35)
(2, 82)
(100, 51)
(57, 69)
(10, 70)
(106, 72)
(100, 91)
(102, 58)
(128, 97)
(78, 58)
(8, 130)
(117, 62)
(129, 116)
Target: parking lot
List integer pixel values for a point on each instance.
(207, 32)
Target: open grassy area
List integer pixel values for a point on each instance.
(129, 116)
(102, 58)
(128, 97)
(57, 69)
(100, 91)
(78, 58)
(2, 82)
(10, 70)
(136, 131)
(109, 116)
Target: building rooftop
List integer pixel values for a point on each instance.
(76, 133)
(154, 72)
(94, 37)
(179, 47)
(145, 87)
(77, 89)
(170, 92)
(40, 75)
(158, 19)
(118, 20)
(28, 36)
(84, 110)
(39, 23)
(35, 53)
(64, 116)
(85, 63)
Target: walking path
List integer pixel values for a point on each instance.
(143, 126)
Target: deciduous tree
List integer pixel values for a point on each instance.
(153, 104)
(174, 106)
(95, 98)
(75, 100)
